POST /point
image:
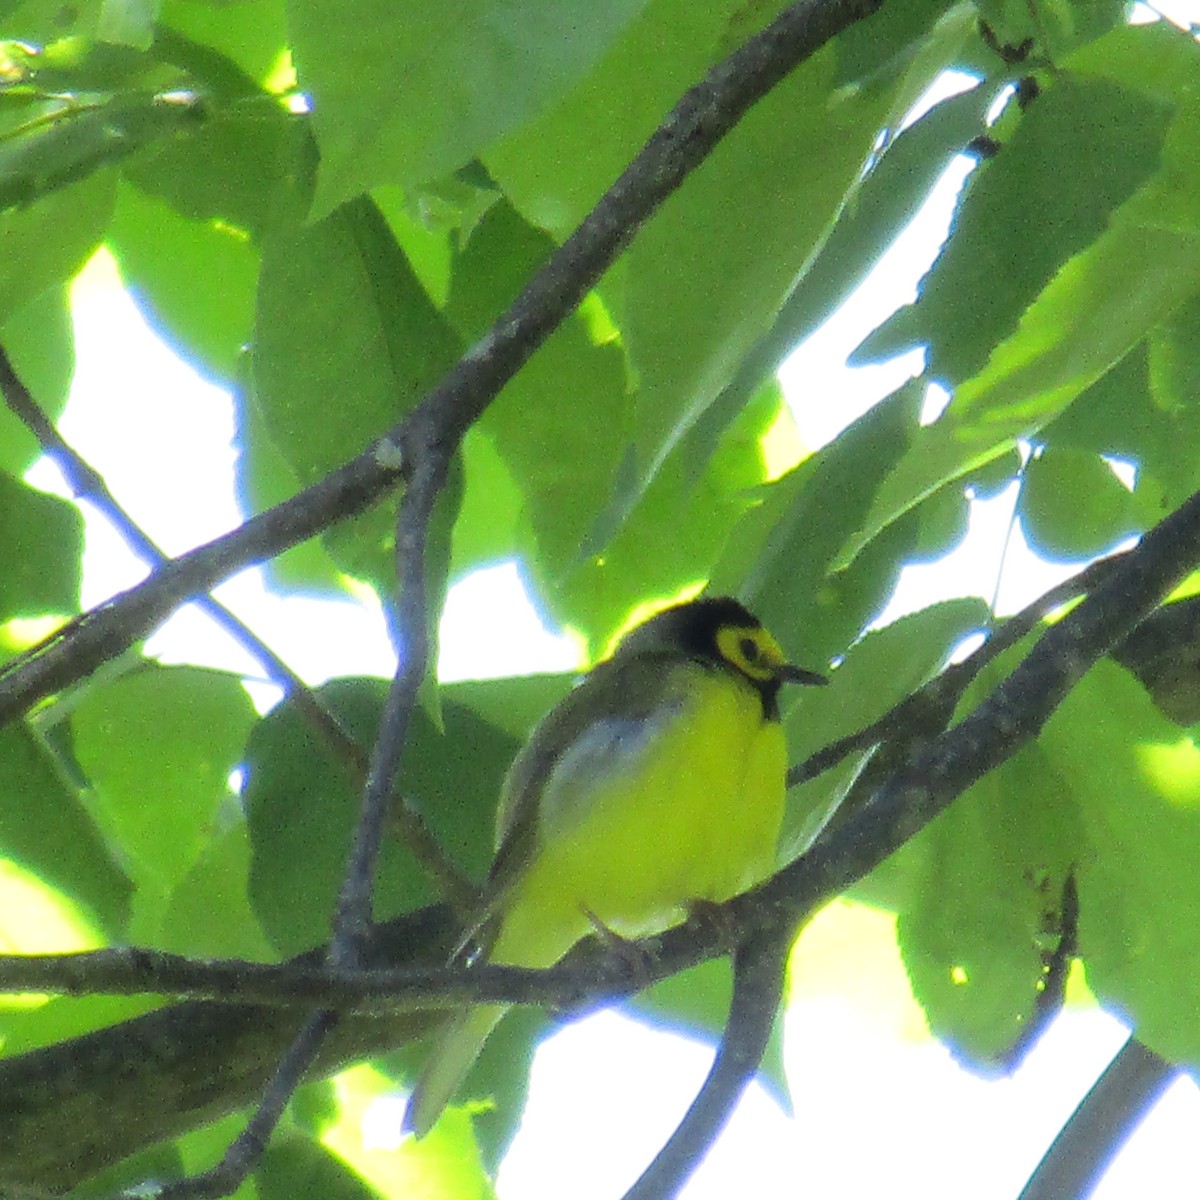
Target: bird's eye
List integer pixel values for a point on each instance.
(750, 650)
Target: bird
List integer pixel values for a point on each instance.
(654, 787)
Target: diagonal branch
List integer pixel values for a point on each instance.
(156, 1092)
(1116, 1104)
(758, 974)
(934, 703)
(87, 483)
(432, 431)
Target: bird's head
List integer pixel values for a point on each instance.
(721, 631)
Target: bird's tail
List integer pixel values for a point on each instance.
(457, 1047)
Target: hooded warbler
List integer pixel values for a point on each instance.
(657, 782)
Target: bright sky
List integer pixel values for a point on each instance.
(606, 1091)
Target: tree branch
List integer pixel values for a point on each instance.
(156, 1076)
(432, 431)
(87, 483)
(758, 973)
(1115, 1105)
(935, 701)
(157, 1093)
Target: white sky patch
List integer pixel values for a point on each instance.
(825, 393)
(491, 629)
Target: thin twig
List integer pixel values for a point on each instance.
(909, 718)
(245, 1151)
(757, 991)
(1115, 1105)
(352, 916)
(88, 484)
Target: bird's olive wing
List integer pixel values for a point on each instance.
(546, 788)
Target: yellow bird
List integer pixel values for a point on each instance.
(656, 783)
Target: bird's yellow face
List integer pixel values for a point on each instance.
(753, 651)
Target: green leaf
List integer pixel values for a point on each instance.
(1004, 250)
(428, 243)
(245, 169)
(340, 314)
(67, 142)
(46, 829)
(41, 21)
(67, 1017)
(404, 96)
(500, 1078)
(157, 1162)
(298, 1166)
(200, 1148)
(671, 539)
(40, 342)
(1072, 505)
(1099, 306)
(872, 45)
(735, 223)
(41, 540)
(209, 914)
(890, 195)
(262, 478)
(984, 903)
(1055, 26)
(194, 282)
(561, 425)
(780, 556)
(47, 241)
(173, 733)
(256, 39)
(1165, 404)
(489, 526)
(127, 23)
(513, 705)
(1139, 920)
(556, 166)
(878, 671)
(301, 808)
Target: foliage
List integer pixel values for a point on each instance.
(323, 206)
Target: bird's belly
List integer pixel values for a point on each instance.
(693, 814)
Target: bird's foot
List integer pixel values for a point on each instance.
(631, 955)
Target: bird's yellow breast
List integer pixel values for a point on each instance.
(686, 806)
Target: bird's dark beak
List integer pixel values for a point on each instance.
(791, 674)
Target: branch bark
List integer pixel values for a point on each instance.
(161, 1074)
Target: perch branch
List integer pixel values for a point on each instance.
(40, 1091)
